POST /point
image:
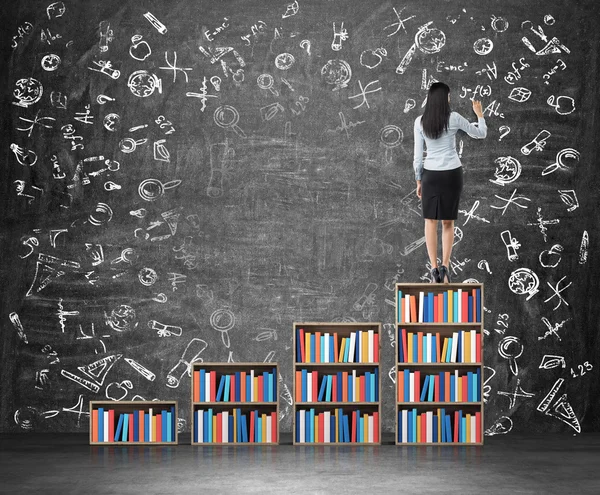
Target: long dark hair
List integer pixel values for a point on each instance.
(437, 111)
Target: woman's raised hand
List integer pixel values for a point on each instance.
(477, 109)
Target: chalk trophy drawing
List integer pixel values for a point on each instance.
(518, 392)
(50, 62)
(55, 10)
(501, 426)
(558, 293)
(550, 258)
(504, 131)
(560, 408)
(220, 158)
(537, 143)
(508, 170)
(584, 248)
(561, 156)
(338, 73)
(16, 322)
(164, 330)
(102, 214)
(542, 224)
(391, 137)
(24, 156)
(513, 200)
(139, 49)
(339, 35)
(564, 105)
(227, 117)
(159, 26)
(143, 83)
(27, 92)
(153, 189)
(147, 276)
(372, 58)
(284, 61)
(106, 68)
(552, 329)
(111, 122)
(364, 92)
(483, 46)
(118, 391)
(427, 40)
(499, 24)
(121, 319)
(399, 24)
(511, 348)
(266, 81)
(190, 355)
(524, 281)
(550, 361)
(291, 10)
(222, 320)
(519, 94)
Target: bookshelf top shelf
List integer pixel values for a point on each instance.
(140, 403)
(435, 365)
(436, 287)
(335, 365)
(229, 404)
(445, 324)
(435, 404)
(200, 364)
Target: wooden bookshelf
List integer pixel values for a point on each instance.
(245, 406)
(343, 330)
(128, 407)
(445, 330)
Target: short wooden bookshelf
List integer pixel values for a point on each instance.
(133, 423)
(337, 383)
(235, 404)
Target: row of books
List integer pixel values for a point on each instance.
(336, 426)
(419, 347)
(240, 386)
(342, 386)
(442, 387)
(136, 426)
(451, 306)
(361, 346)
(442, 427)
(235, 426)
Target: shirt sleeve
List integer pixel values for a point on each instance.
(418, 155)
(478, 131)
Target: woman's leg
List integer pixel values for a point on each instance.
(431, 240)
(447, 241)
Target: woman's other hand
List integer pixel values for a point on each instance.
(419, 189)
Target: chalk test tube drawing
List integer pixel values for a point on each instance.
(550, 361)
(511, 348)
(220, 156)
(159, 26)
(504, 131)
(291, 9)
(222, 320)
(550, 258)
(542, 224)
(16, 322)
(139, 49)
(561, 163)
(50, 62)
(584, 248)
(524, 281)
(537, 143)
(153, 189)
(190, 355)
(564, 105)
(399, 24)
(55, 10)
(513, 200)
(121, 319)
(364, 92)
(337, 72)
(501, 426)
(143, 83)
(266, 81)
(516, 393)
(105, 67)
(117, 391)
(164, 330)
(552, 329)
(24, 156)
(561, 408)
(339, 35)
(508, 170)
(372, 58)
(483, 46)
(484, 265)
(227, 117)
(519, 94)
(27, 92)
(147, 276)
(427, 40)
(558, 293)
(499, 24)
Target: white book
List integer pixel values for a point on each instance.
(371, 346)
(302, 426)
(429, 349)
(326, 348)
(371, 421)
(351, 352)
(105, 435)
(404, 426)
(429, 432)
(200, 423)
(454, 347)
(411, 392)
(407, 309)
(309, 397)
(327, 427)
(460, 317)
(462, 347)
(207, 387)
(473, 436)
(225, 426)
(473, 346)
(359, 344)
(421, 301)
(354, 397)
(150, 437)
(251, 385)
(269, 430)
(456, 378)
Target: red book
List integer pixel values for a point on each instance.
(376, 427)
(465, 306)
(274, 427)
(219, 427)
(404, 344)
(423, 427)
(438, 348)
(334, 396)
(317, 347)
(376, 346)
(159, 437)
(322, 428)
(196, 386)
(400, 381)
(441, 308)
(353, 439)
(363, 388)
(315, 385)
(261, 384)
(94, 426)
(141, 426)
(478, 347)
(243, 386)
(298, 386)
(301, 344)
(251, 438)
(232, 397)
(435, 309)
(474, 312)
(419, 347)
(478, 427)
(130, 432)
(436, 386)
(213, 386)
(417, 385)
(456, 425)
(336, 349)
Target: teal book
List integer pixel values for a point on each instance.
(119, 429)
(220, 390)
(227, 388)
(329, 380)
(424, 390)
(431, 390)
(125, 428)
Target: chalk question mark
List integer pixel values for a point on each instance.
(306, 45)
(483, 264)
(504, 130)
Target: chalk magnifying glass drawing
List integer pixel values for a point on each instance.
(266, 81)
(129, 145)
(227, 117)
(152, 189)
(223, 320)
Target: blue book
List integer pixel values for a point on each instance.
(125, 435)
(431, 388)
(459, 356)
(226, 389)
(406, 397)
(448, 429)
(173, 423)
(431, 302)
(298, 349)
(367, 386)
(452, 389)
(202, 385)
(332, 427)
(238, 388)
(445, 318)
(210, 425)
(101, 424)
(415, 348)
(414, 425)
(400, 345)
(322, 389)
(311, 425)
(322, 349)
(448, 351)
(376, 383)
(346, 429)
(399, 307)
(350, 394)
(164, 425)
(424, 389)
(443, 425)
(470, 316)
(434, 348)
(274, 379)
(409, 426)
(117, 436)
(463, 433)
(373, 387)
(332, 349)
(304, 384)
(340, 386)
(469, 386)
(329, 380)
(455, 307)
(478, 304)
(361, 430)
(244, 429)
(146, 427)
(221, 387)
(434, 437)
(478, 385)
(265, 385)
(205, 427)
(170, 435)
(425, 309)
(249, 387)
(297, 426)
(442, 387)
(357, 353)
(136, 426)
(313, 348)
(230, 430)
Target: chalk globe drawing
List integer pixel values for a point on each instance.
(28, 91)
(483, 46)
(50, 62)
(147, 276)
(121, 319)
(430, 40)
(337, 72)
(524, 281)
(508, 169)
(143, 83)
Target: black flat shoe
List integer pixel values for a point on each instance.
(444, 274)
(435, 275)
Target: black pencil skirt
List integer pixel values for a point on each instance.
(440, 193)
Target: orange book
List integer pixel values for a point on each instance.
(438, 344)
(363, 389)
(468, 428)
(419, 347)
(219, 427)
(197, 386)
(366, 428)
(376, 427)
(318, 347)
(439, 416)
(345, 386)
(264, 427)
(158, 423)
(465, 388)
(321, 428)
(94, 425)
(337, 423)
(261, 384)
(298, 386)
(243, 386)
(364, 347)
(440, 308)
(142, 426)
(418, 437)
(153, 422)
(467, 338)
(465, 306)
(232, 388)
(413, 309)
(400, 381)
(307, 347)
(334, 388)
(342, 350)
(335, 347)
(459, 390)
(402, 310)
(255, 398)
(447, 386)
(214, 428)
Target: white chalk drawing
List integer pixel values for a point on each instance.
(173, 66)
(337, 72)
(560, 409)
(564, 105)
(102, 214)
(524, 281)
(499, 24)
(159, 26)
(502, 321)
(542, 224)
(216, 82)
(266, 81)
(210, 36)
(364, 92)
(80, 381)
(519, 94)
(514, 200)
(514, 395)
(569, 197)
(190, 355)
(153, 189)
(221, 155)
(161, 153)
(16, 322)
(23, 30)
(504, 131)
(284, 61)
(550, 361)
(111, 186)
(143, 83)
(256, 30)
(427, 40)
(347, 126)
(391, 137)
(98, 370)
(558, 293)
(508, 170)
(27, 92)
(552, 46)
(118, 391)
(484, 265)
(58, 100)
(110, 166)
(140, 213)
(291, 9)
(306, 45)
(413, 246)
(147, 276)
(501, 426)
(46, 36)
(560, 65)
(339, 35)
(227, 117)
(106, 34)
(491, 71)
(139, 49)
(24, 156)
(372, 58)
(62, 314)
(160, 298)
(552, 329)
(493, 108)
(399, 24)
(537, 143)
(103, 99)
(164, 330)
(121, 319)
(483, 46)
(31, 243)
(223, 320)
(550, 258)
(480, 91)
(515, 74)
(583, 369)
(50, 62)
(266, 334)
(367, 297)
(471, 214)
(487, 389)
(55, 10)
(111, 121)
(106, 68)
(584, 248)
(409, 105)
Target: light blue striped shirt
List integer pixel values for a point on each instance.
(441, 152)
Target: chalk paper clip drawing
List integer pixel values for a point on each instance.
(339, 35)
(191, 354)
(584, 248)
(24, 156)
(222, 320)
(291, 9)
(106, 34)
(550, 361)
(558, 292)
(427, 40)
(483, 46)
(508, 170)
(50, 62)
(147, 276)
(105, 67)
(227, 117)
(338, 73)
(511, 348)
(537, 143)
(140, 49)
(203, 94)
(501, 426)
(27, 92)
(542, 224)
(55, 10)
(519, 94)
(111, 122)
(564, 105)
(266, 81)
(499, 24)
(284, 61)
(117, 391)
(561, 408)
(164, 330)
(561, 156)
(550, 258)
(159, 26)
(153, 189)
(409, 105)
(173, 66)
(399, 24)
(391, 137)
(143, 83)
(514, 395)
(101, 99)
(364, 92)
(513, 200)
(524, 281)
(372, 58)
(16, 322)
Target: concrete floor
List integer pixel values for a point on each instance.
(510, 464)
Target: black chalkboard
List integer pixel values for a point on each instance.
(183, 180)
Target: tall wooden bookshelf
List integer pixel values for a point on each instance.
(245, 405)
(428, 364)
(331, 367)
